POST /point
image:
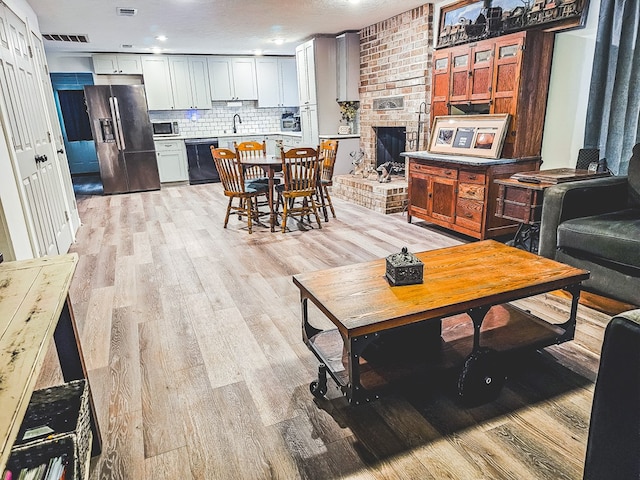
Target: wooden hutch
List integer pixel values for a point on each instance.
(505, 74)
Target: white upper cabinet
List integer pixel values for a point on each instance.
(348, 66)
(233, 78)
(305, 60)
(277, 82)
(114, 64)
(189, 82)
(157, 82)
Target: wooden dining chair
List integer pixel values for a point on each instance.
(235, 186)
(327, 151)
(301, 170)
(247, 150)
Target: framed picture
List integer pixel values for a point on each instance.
(471, 20)
(473, 135)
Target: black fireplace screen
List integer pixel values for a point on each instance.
(390, 143)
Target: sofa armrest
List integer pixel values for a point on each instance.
(578, 199)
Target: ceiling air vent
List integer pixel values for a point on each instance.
(126, 45)
(127, 12)
(64, 37)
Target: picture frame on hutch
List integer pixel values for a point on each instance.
(469, 135)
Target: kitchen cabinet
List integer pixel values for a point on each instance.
(232, 78)
(348, 67)
(114, 64)
(316, 66)
(172, 160)
(277, 82)
(309, 125)
(459, 193)
(189, 82)
(157, 82)
(507, 74)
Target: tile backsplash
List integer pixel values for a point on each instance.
(203, 123)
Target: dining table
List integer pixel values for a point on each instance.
(270, 164)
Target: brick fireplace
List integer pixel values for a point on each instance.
(395, 61)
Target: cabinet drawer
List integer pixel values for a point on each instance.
(469, 214)
(471, 177)
(471, 191)
(431, 170)
(167, 145)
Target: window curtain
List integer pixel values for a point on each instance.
(613, 115)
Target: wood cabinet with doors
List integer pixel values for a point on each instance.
(459, 193)
(117, 64)
(277, 82)
(507, 74)
(232, 78)
(189, 82)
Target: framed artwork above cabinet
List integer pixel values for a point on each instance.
(472, 20)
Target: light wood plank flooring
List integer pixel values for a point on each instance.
(191, 334)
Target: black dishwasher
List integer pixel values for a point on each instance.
(201, 166)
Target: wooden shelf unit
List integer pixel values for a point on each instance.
(507, 74)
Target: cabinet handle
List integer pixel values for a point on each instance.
(472, 177)
(467, 214)
(448, 172)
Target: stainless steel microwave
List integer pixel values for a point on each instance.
(165, 128)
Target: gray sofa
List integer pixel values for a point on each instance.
(595, 224)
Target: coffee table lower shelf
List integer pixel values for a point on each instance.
(505, 328)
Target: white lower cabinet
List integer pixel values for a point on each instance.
(172, 160)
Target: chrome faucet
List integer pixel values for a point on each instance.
(235, 129)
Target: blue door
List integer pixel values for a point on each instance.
(74, 120)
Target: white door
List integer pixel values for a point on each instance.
(30, 140)
(69, 210)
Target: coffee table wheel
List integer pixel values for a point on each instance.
(318, 388)
(482, 377)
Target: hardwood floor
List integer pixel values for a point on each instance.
(191, 334)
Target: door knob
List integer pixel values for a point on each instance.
(60, 151)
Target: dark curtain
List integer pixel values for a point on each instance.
(613, 115)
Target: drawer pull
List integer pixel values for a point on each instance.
(468, 215)
(448, 172)
(472, 177)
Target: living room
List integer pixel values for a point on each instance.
(191, 339)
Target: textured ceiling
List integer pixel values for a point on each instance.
(207, 26)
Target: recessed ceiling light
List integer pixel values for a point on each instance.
(156, 50)
(257, 51)
(278, 41)
(161, 38)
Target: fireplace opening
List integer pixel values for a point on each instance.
(390, 143)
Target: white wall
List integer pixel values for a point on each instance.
(568, 90)
(569, 93)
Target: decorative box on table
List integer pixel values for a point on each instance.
(404, 268)
(55, 424)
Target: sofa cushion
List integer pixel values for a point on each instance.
(613, 236)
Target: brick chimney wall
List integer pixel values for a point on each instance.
(395, 61)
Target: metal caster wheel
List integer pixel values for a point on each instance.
(316, 390)
(482, 377)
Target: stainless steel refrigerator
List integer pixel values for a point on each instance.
(124, 140)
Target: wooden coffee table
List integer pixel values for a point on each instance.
(469, 279)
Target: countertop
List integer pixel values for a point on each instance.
(226, 135)
(337, 136)
(463, 160)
